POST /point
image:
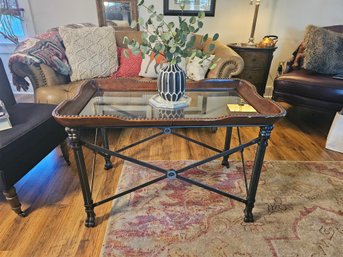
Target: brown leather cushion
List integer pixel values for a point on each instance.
(310, 85)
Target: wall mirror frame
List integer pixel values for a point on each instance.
(117, 13)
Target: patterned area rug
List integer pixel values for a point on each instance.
(298, 212)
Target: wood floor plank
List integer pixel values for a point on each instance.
(52, 194)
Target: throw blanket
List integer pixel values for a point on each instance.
(46, 48)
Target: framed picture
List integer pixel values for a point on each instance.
(192, 7)
(117, 13)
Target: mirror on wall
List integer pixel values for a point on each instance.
(117, 13)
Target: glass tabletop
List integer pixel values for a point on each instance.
(135, 105)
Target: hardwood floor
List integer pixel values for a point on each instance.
(51, 194)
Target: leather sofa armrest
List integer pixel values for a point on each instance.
(39, 76)
(55, 94)
(230, 63)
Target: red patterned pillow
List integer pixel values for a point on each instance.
(128, 66)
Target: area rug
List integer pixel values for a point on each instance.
(298, 212)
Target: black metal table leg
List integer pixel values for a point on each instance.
(74, 136)
(261, 149)
(104, 136)
(225, 161)
(249, 201)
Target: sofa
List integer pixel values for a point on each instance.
(53, 87)
(309, 88)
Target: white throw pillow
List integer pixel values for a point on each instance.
(183, 64)
(196, 70)
(91, 51)
(150, 67)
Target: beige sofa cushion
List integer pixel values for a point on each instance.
(91, 51)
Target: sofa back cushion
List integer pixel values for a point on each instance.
(91, 51)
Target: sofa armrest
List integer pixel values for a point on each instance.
(55, 94)
(230, 63)
(39, 76)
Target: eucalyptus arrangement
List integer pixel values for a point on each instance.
(168, 39)
(173, 42)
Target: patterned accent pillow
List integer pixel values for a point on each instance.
(151, 66)
(197, 70)
(128, 66)
(91, 51)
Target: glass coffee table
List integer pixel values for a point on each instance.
(214, 103)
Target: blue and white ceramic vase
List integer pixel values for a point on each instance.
(171, 82)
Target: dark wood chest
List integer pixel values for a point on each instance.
(257, 63)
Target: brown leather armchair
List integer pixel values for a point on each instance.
(309, 89)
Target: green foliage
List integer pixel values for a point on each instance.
(168, 39)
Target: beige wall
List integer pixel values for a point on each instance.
(53, 13)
